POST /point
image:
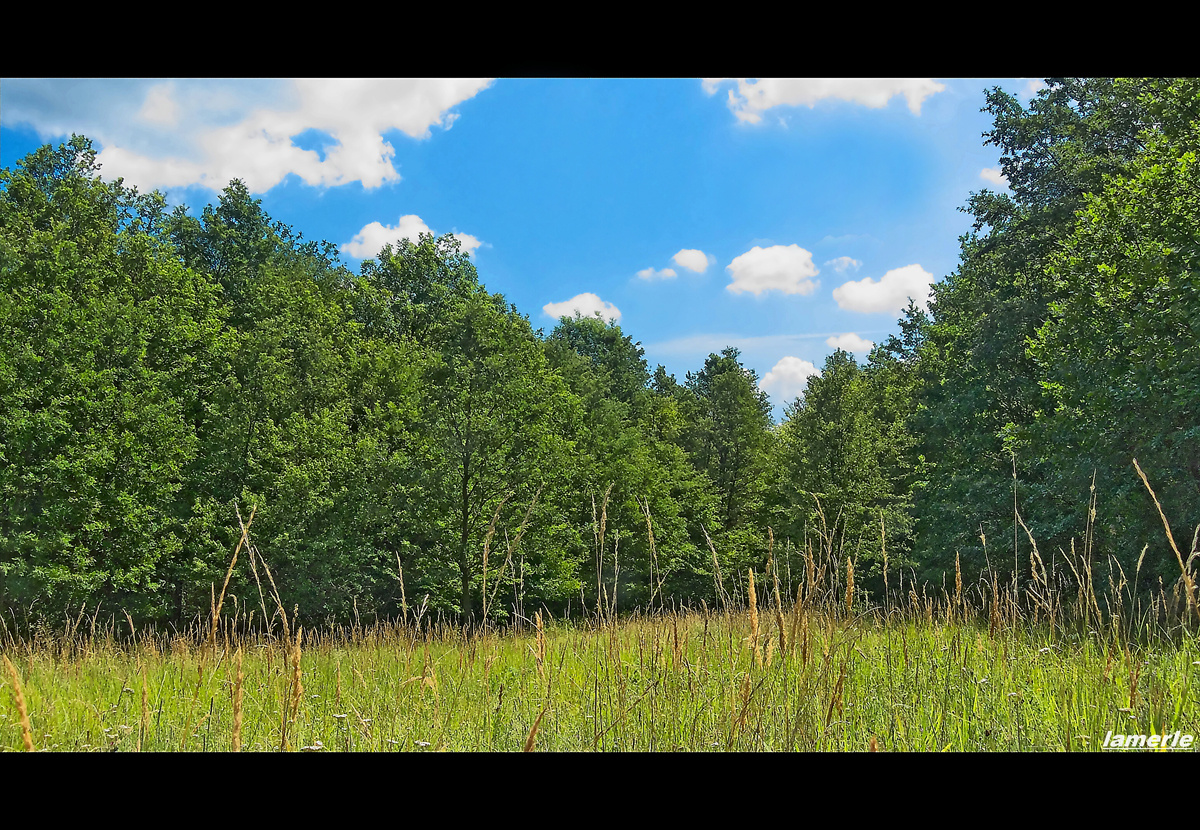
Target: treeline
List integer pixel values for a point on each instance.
(402, 440)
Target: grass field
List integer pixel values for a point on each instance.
(767, 676)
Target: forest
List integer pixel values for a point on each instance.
(400, 442)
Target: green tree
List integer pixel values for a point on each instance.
(841, 470)
(110, 343)
(980, 388)
(624, 448)
(1119, 354)
(731, 433)
(496, 419)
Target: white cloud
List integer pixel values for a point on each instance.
(693, 260)
(470, 244)
(788, 379)
(846, 237)
(850, 342)
(651, 274)
(755, 96)
(208, 132)
(373, 236)
(160, 107)
(844, 263)
(586, 304)
(1033, 85)
(994, 175)
(779, 268)
(890, 293)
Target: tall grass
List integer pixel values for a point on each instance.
(923, 673)
(1053, 665)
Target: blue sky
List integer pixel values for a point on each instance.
(781, 216)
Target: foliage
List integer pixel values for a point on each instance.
(408, 443)
(110, 344)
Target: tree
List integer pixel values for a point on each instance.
(109, 344)
(1119, 353)
(840, 466)
(624, 449)
(496, 418)
(980, 388)
(731, 432)
(616, 359)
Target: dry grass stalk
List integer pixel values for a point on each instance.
(758, 656)
(883, 549)
(958, 589)
(262, 601)
(1187, 577)
(747, 691)
(809, 569)
(598, 536)
(835, 700)
(719, 581)
(237, 703)
(487, 546)
(145, 722)
(529, 742)
(22, 710)
(676, 651)
(403, 598)
(849, 584)
(797, 610)
(616, 572)
(512, 546)
(655, 584)
(242, 540)
(280, 610)
(779, 619)
(1035, 560)
(292, 707)
(540, 646)
(132, 630)
(770, 551)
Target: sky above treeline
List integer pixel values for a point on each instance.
(785, 217)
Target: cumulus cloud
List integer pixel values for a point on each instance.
(159, 107)
(788, 269)
(755, 96)
(850, 342)
(787, 380)
(844, 263)
(469, 243)
(586, 304)
(651, 274)
(373, 236)
(993, 175)
(1033, 85)
(693, 260)
(209, 132)
(889, 293)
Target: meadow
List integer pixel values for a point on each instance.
(978, 668)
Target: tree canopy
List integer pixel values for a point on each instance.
(409, 444)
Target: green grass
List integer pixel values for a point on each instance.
(917, 680)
